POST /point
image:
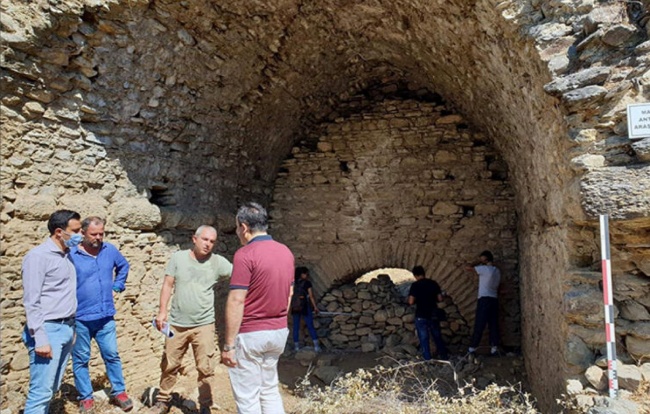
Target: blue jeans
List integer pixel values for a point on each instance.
(45, 374)
(104, 333)
(309, 320)
(423, 326)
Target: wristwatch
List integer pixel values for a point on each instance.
(228, 348)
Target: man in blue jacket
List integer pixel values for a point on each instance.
(101, 275)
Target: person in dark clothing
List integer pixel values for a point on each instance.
(425, 295)
(302, 290)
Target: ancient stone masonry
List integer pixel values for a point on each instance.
(374, 316)
(400, 183)
(165, 115)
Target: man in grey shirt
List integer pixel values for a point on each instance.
(487, 308)
(49, 297)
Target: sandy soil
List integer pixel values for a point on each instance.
(504, 370)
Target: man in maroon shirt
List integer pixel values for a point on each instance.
(256, 313)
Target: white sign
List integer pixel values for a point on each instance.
(638, 120)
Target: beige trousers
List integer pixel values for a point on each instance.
(203, 343)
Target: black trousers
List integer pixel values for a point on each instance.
(487, 313)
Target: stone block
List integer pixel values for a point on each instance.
(577, 355)
(596, 377)
(445, 208)
(629, 377)
(642, 149)
(381, 316)
(637, 347)
(368, 347)
(645, 371)
(573, 387)
(135, 213)
(328, 374)
(589, 76)
(618, 34)
(633, 311)
(587, 161)
(583, 97)
(34, 207)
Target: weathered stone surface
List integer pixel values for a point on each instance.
(645, 371)
(606, 405)
(642, 149)
(596, 377)
(209, 104)
(618, 34)
(35, 207)
(629, 377)
(634, 311)
(590, 76)
(327, 374)
(574, 387)
(625, 195)
(584, 96)
(138, 214)
(587, 161)
(577, 355)
(638, 347)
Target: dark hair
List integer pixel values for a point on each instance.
(254, 215)
(418, 271)
(300, 270)
(60, 219)
(488, 255)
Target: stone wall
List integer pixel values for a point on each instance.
(400, 183)
(167, 114)
(373, 315)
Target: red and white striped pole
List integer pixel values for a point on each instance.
(609, 305)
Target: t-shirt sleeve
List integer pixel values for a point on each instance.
(172, 266)
(307, 285)
(241, 272)
(412, 290)
(225, 269)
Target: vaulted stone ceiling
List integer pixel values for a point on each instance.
(184, 109)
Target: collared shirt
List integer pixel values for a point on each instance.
(265, 268)
(49, 285)
(97, 277)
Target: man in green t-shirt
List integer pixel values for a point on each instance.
(191, 275)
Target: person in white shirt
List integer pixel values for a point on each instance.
(487, 308)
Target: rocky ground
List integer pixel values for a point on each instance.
(321, 369)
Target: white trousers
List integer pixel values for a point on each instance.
(254, 380)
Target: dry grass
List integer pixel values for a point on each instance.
(409, 389)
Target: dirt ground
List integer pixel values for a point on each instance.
(503, 370)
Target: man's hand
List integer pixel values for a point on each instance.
(228, 358)
(161, 319)
(44, 351)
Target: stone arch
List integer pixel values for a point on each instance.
(400, 182)
(102, 110)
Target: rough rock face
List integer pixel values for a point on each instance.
(165, 115)
(373, 316)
